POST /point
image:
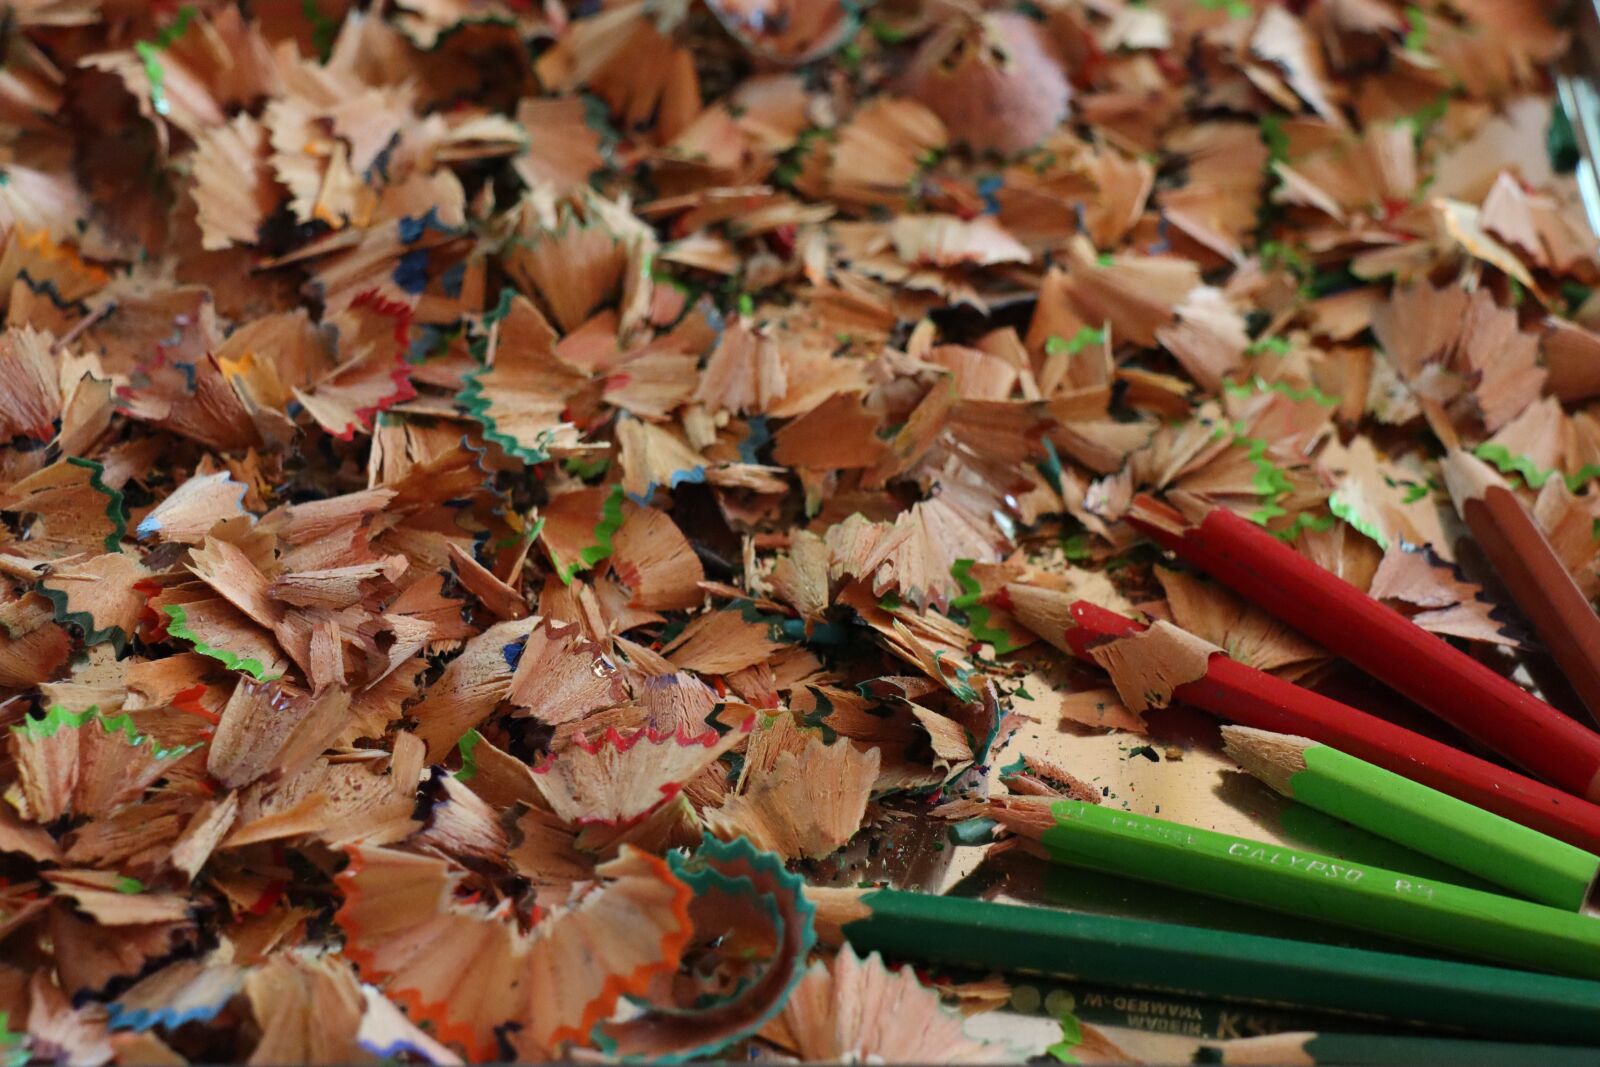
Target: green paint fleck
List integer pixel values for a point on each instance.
(1277, 346)
(1560, 142)
(586, 469)
(13, 1046)
(1071, 1038)
(1423, 119)
(1304, 521)
(1086, 336)
(1269, 482)
(885, 33)
(1051, 467)
(324, 29)
(129, 885)
(1278, 254)
(1276, 139)
(1574, 294)
(149, 53)
(466, 746)
(1416, 39)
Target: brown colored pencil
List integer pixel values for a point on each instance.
(1532, 572)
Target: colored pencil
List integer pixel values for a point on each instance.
(1152, 1011)
(1532, 572)
(1237, 693)
(1525, 861)
(1385, 644)
(1214, 964)
(1386, 1050)
(1439, 915)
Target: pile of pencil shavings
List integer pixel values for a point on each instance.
(497, 495)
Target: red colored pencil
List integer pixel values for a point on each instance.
(1451, 684)
(1240, 694)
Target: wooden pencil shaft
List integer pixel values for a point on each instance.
(1542, 587)
(1481, 925)
(1243, 968)
(1501, 851)
(1385, 644)
(1237, 693)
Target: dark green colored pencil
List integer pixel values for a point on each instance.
(1379, 1050)
(1214, 964)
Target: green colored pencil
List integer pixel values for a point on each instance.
(1450, 917)
(1503, 852)
(1215, 964)
(1148, 1010)
(1379, 1050)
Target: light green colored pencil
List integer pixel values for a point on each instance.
(1495, 849)
(1466, 921)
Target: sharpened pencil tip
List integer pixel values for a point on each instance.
(1467, 477)
(1272, 758)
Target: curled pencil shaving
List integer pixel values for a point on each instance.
(1146, 667)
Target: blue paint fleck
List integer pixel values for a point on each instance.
(453, 279)
(411, 273)
(757, 439)
(988, 186)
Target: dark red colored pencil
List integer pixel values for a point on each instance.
(1532, 572)
(1454, 686)
(1240, 694)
